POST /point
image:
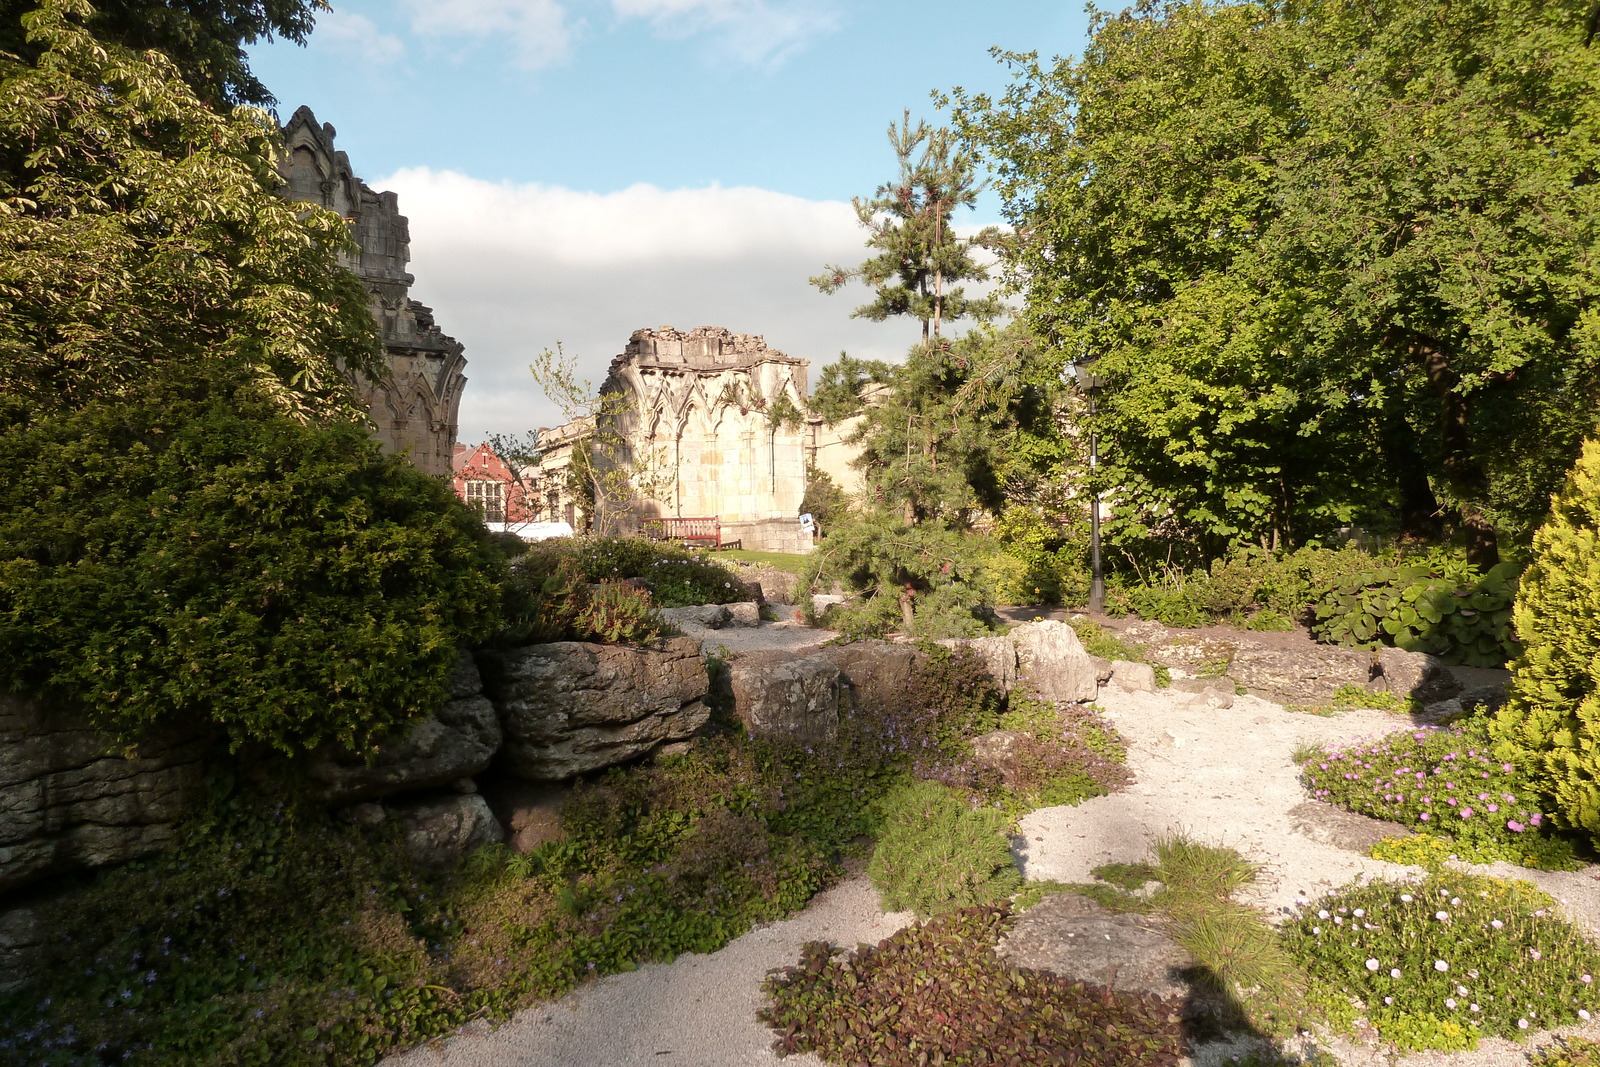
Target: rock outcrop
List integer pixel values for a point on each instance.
(442, 831)
(71, 800)
(1051, 659)
(571, 707)
(456, 742)
(777, 695)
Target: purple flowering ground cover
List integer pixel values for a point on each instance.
(1443, 781)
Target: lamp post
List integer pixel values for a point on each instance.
(1089, 383)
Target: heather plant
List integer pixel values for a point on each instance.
(936, 992)
(1440, 962)
(676, 576)
(1447, 781)
(547, 599)
(938, 852)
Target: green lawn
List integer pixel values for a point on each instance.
(793, 562)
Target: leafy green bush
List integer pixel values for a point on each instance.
(1548, 722)
(1445, 781)
(1568, 1052)
(1446, 608)
(547, 599)
(1439, 963)
(676, 576)
(189, 552)
(936, 992)
(938, 852)
(1046, 562)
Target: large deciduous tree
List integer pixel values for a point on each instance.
(205, 38)
(1336, 259)
(139, 227)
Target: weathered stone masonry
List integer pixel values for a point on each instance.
(416, 406)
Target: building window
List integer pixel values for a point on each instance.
(489, 498)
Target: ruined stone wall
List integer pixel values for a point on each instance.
(415, 407)
(707, 423)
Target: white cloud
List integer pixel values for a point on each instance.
(513, 269)
(754, 31)
(536, 29)
(359, 37)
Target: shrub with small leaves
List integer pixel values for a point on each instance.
(936, 992)
(1441, 962)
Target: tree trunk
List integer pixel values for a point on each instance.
(908, 608)
(1421, 517)
(1463, 472)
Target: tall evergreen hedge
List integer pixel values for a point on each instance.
(1551, 723)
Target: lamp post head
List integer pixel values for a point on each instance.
(1084, 372)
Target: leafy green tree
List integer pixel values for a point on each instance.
(920, 258)
(206, 39)
(141, 229)
(1362, 289)
(195, 524)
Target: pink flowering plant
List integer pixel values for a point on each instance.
(1446, 782)
(1440, 962)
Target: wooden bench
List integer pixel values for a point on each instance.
(703, 531)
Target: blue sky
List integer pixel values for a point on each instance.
(576, 169)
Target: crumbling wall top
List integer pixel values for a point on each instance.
(702, 348)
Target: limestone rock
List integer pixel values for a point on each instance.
(22, 933)
(1330, 825)
(465, 680)
(1102, 669)
(1212, 692)
(777, 696)
(70, 800)
(457, 742)
(1489, 695)
(1052, 660)
(1074, 937)
(440, 833)
(997, 751)
(571, 707)
(1133, 677)
(823, 603)
(697, 617)
(530, 812)
(746, 613)
(1299, 676)
(999, 655)
(1413, 674)
(873, 674)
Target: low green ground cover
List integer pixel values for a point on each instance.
(1441, 962)
(792, 562)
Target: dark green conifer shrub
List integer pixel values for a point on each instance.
(1549, 722)
(938, 852)
(189, 552)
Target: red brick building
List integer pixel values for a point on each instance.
(485, 481)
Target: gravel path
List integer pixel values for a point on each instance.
(1222, 775)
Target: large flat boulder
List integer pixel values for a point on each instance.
(1307, 675)
(70, 799)
(1074, 937)
(570, 707)
(458, 741)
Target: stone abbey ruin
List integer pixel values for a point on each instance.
(415, 407)
(707, 423)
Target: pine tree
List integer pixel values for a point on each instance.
(920, 258)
